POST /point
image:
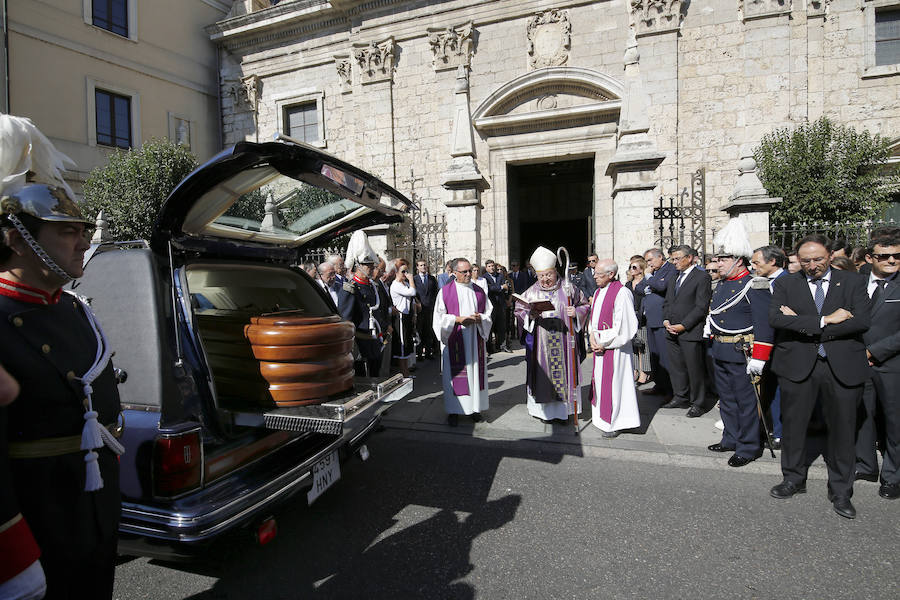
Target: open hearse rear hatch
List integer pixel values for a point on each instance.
(221, 230)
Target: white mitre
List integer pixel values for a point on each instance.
(543, 259)
(733, 240)
(359, 250)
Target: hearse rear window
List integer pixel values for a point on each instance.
(261, 204)
(249, 290)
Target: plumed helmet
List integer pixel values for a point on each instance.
(31, 169)
(543, 259)
(359, 250)
(733, 240)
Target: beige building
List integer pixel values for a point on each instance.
(99, 74)
(536, 121)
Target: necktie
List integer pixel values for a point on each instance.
(878, 291)
(819, 299)
(678, 282)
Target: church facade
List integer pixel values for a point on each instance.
(526, 122)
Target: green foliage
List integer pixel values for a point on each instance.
(825, 172)
(131, 188)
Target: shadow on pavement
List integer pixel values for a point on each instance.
(400, 525)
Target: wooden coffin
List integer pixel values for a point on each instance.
(303, 359)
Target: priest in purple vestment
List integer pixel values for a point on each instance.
(462, 322)
(553, 376)
(612, 326)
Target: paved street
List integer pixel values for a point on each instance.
(512, 508)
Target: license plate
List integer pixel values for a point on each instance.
(324, 474)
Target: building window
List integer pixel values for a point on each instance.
(301, 122)
(113, 113)
(887, 37)
(111, 15)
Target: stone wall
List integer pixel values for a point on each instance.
(716, 76)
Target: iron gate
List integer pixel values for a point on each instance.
(681, 219)
(422, 236)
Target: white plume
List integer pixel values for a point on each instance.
(733, 240)
(359, 250)
(24, 149)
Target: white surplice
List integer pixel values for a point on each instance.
(443, 323)
(616, 339)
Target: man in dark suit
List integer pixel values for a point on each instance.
(588, 285)
(497, 292)
(654, 290)
(819, 315)
(426, 293)
(522, 279)
(770, 262)
(880, 397)
(684, 314)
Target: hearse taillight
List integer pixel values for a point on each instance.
(177, 463)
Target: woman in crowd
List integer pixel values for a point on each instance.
(843, 263)
(477, 279)
(637, 267)
(403, 292)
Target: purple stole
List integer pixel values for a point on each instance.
(606, 382)
(455, 344)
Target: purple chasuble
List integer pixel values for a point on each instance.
(605, 321)
(455, 344)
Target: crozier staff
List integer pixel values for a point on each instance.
(59, 475)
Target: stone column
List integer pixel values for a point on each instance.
(751, 202)
(633, 169)
(462, 180)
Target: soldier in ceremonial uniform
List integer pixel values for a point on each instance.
(59, 473)
(360, 303)
(739, 317)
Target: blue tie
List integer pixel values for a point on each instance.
(678, 282)
(819, 299)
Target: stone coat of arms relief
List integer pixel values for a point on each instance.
(549, 39)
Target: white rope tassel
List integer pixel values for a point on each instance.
(93, 434)
(92, 480)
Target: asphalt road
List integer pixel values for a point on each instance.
(434, 515)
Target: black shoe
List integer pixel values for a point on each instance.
(611, 434)
(740, 461)
(505, 348)
(719, 448)
(776, 444)
(673, 403)
(873, 477)
(786, 489)
(694, 412)
(452, 420)
(476, 417)
(890, 491)
(843, 507)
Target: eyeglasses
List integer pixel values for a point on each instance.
(464, 272)
(883, 257)
(404, 271)
(635, 267)
(818, 260)
(591, 260)
(712, 270)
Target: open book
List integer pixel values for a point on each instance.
(541, 306)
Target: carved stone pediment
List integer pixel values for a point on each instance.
(245, 92)
(549, 39)
(344, 67)
(451, 46)
(759, 9)
(655, 16)
(375, 61)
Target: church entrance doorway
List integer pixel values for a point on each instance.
(551, 205)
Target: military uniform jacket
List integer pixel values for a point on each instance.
(354, 300)
(44, 347)
(750, 314)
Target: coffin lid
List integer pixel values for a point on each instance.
(274, 200)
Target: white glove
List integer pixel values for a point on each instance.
(755, 366)
(647, 291)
